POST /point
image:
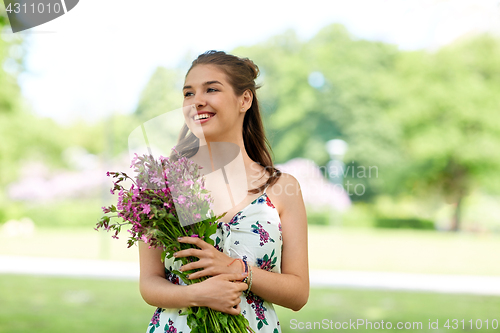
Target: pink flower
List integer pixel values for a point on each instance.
(181, 199)
(197, 216)
(145, 208)
(134, 160)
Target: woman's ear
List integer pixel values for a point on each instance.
(246, 100)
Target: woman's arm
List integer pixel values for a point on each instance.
(218, 292)
(290, 288)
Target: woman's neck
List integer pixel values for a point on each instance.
(254, 171)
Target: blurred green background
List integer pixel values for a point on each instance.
(428, 121)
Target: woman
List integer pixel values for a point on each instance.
(267, 230)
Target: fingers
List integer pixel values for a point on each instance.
(233, 276)
(221, 294)
(196, 241)
(202, 273)
(234, 310)
(209, 270)
(242, 286)
(193, 265)
(189, 253)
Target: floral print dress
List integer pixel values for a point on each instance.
(254, 235)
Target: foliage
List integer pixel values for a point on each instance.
(409, 223)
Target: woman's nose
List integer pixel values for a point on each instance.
(199, 101)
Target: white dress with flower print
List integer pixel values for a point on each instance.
(253, 234)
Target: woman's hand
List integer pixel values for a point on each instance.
(220, 292)
(212, 261)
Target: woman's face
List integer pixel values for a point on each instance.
(215, 107)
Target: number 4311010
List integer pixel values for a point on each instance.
(17, 8)
(465, 324)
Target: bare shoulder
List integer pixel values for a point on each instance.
(285, 193)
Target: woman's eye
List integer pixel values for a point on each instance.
(187, 94)
(211, 89)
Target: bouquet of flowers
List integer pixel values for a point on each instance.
(167, 200)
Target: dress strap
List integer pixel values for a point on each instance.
(265, 189)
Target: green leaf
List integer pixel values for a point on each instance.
(182, 276)
(209, 240)
(222, 318)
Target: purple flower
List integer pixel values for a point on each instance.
(146, 209)
(181, 199)
(134, 160)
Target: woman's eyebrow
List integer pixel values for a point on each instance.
(212, 82)
(204, 84)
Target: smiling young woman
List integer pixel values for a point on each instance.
(263, 238)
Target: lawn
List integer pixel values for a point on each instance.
(404, 250)
(410, 251)
(43, 305)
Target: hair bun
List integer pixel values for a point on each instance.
(253, 67)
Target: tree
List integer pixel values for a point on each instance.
(449, 116)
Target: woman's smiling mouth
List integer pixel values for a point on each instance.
(203, 117)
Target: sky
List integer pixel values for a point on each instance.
(96, 59)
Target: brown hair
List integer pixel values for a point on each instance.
(241, 74)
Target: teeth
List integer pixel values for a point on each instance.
(202, 116)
